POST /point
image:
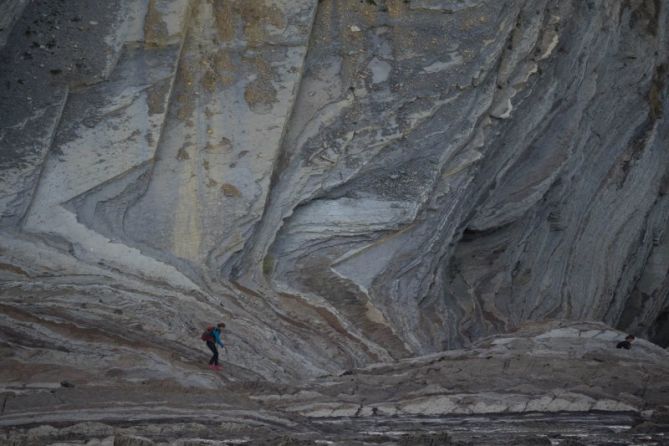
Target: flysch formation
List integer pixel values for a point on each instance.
(344, 183)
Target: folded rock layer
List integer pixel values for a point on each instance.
(341, 182)
(546, 384)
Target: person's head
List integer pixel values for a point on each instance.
(221, 325)
(630, 338)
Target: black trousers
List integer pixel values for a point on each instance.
(214, 350)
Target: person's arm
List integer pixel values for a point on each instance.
(217, 338)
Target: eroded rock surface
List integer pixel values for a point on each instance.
(343, 182)
(544, 384)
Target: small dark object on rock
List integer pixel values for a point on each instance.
(66, 384)
(55, 71)
(627, 343)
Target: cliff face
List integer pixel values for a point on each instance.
(344, 182)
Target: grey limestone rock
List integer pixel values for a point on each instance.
(548, 383)
(127, 440)
(10, 11)
(343, 182)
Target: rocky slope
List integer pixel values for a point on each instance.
(343, 182)
(549, 384)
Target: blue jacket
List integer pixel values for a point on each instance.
(216, 332)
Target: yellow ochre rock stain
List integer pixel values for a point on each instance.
(187, 231)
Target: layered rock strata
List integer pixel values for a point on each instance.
(549, 384)
(344, 182)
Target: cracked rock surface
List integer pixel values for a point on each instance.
(343, 182)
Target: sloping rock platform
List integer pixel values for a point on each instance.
(552, 383)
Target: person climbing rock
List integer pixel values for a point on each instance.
(212, 336)
(627, 343)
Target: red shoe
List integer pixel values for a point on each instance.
(212, 366)
(217, 367)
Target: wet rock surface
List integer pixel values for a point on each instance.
(364, 191)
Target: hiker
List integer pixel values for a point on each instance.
(627, 343)
(212, 336)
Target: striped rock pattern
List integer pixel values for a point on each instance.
(344, 182)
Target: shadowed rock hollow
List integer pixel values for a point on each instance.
(343, 182)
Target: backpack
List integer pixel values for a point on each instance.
(208, 335)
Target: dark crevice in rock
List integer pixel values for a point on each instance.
(659, 331)
(657, 93)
